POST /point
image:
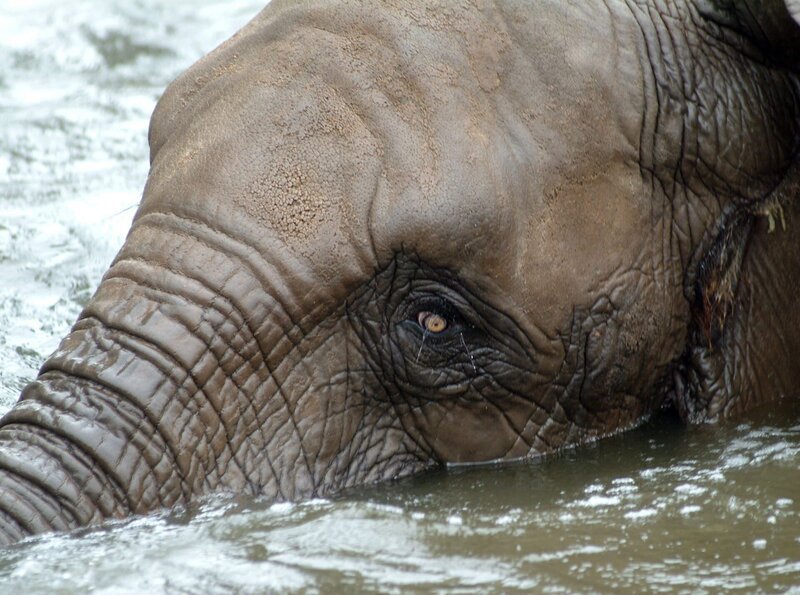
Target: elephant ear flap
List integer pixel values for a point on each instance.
(771, 25)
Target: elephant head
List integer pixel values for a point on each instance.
(378, 237)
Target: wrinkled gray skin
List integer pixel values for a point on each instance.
(578, 194)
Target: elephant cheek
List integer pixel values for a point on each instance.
(622, 357)
(463, 431)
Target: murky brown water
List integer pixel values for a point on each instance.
(663, 508)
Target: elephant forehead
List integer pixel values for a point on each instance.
(536, 185)
(407, 124)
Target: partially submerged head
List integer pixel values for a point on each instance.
(378, 237)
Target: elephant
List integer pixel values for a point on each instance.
(379, 237)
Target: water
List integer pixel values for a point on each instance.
(662, 508)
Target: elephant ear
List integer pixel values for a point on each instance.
(745, 336)
(773, 26)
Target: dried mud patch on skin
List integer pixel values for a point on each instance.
(316, 148)
(289, 198)
(320, 112)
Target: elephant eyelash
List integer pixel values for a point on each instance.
(469, 353)
(455, 327)
(421, 345)
(428, 311)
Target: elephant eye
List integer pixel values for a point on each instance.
(432, 323)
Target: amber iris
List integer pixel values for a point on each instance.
(432, 323)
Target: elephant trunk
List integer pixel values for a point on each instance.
(64, 458)
(82, 444)
(169, 386)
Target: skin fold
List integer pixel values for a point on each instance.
(378, 237)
